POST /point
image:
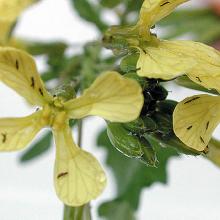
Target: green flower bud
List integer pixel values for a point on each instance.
(164, 123)
(124, 141)
(149, 157)
(137, 126)
(149, 124)
(141, 125)
(159, 93)
(129, 64)
(166, 106)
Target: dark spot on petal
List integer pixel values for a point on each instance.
(62, 174)
(145, 51)
(32, 82)
(4, 137)
(207, 125)
(201, 139)
(193, 99)
(189, 127)
(17, 64)
(165, 3)
(41, 92)
(198, 79)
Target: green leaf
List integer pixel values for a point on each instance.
(116, 210)
(52, 48)
(192, 21)
(38, 148)
(93, 63)
(131, 175)
(110, 3)
(133, 7)
(172, 142)
(90, 12)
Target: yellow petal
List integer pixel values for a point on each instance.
(206, 72)
(4, 31)
(111, 96)
(170, 59)
(195, 118)
(78, 176)
(153, 11)
(9, 11)
(16, 133)
(18, 71)
(162, 62)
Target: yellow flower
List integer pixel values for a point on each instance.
(9, 11)
(78, 176)
(167, 59)
(195, 118)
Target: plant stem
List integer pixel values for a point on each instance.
(80, 127)
(81, 212)
(77, 213)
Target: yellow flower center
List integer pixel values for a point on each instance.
(54, 114)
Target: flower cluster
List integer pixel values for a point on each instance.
(78, 176)
(196, 117)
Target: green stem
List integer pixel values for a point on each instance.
(81, 212)
(77, 213)
(80, 127)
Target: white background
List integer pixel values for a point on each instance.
(26, 191)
